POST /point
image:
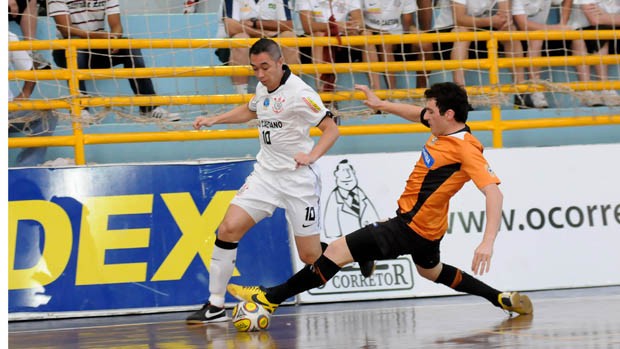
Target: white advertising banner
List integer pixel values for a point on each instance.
(560, 225)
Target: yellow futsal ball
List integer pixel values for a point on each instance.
(249, 316)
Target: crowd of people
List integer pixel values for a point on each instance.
(337, 18)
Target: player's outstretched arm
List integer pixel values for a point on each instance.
(237, 115)
(330, 134)
(482, 256)
(405, 111)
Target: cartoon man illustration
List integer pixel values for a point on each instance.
(348, 208)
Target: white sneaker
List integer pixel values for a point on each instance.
(86, 116)
(539, 100)
(590, 99)
(610, 98)
(59, 162)
(162, 114)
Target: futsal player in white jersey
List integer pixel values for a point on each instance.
(284, 174)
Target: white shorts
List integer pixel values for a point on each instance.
(297, 192)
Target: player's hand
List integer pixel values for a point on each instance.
(372, 101)
(482, 258)
(303, 159)
(203, 121)
(500, 21)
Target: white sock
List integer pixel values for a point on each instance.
(241, 89)
(222, 266)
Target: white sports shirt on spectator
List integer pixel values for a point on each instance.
(385, 15)
(18, 60)
(269, 10)
(535, 10)
(321, 10)
(285, 117)
(579, 20)
(475, 8)
(90, 16)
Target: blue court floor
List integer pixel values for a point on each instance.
(576, 318)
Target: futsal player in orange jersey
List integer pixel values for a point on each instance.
(450, 158)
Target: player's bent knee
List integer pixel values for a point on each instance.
(229, 232)
(429, 273)
(309, 257)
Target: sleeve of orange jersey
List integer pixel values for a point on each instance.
(477, 167)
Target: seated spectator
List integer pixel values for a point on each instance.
(470, 15)
(30, 122)
(257, 19)
(395, 17)
(335, 18)
(24, 13)
(595, 15)
(533, 15)
(85, 19)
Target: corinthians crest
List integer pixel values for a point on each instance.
(278, 104)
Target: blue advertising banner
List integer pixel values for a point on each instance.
(109, 238)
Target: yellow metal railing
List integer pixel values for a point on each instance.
(493, 64)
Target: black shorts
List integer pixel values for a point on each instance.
(391, 239)
(342, 54)
(442, 50)
(21, 4)
(595, 45)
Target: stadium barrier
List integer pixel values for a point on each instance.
(493, 63)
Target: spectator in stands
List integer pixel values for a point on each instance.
(30, 122)
(335, 18)
(595, 15)
(472, 15)
(394, 17)
(257, 19)
(24, 13)
(533, 15)
(85, 19)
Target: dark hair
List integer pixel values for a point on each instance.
(449, 95)
(266, 45)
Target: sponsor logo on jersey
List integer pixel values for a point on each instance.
(266, 103)
(490, 170)
(312, 104)
(428, 159)
(278, 106)
(270, 123)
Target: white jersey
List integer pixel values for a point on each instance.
(89, 15)
(579, 20)
(385, 15)
(475, 8)
(285, 117)
(321, 9)
(241, 10)
(535, 10)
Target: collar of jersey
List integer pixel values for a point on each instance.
(287, 73)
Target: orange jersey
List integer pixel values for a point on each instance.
(445, 165)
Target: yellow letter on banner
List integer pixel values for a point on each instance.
(58, 238)
(96, 239)
(198, 232)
